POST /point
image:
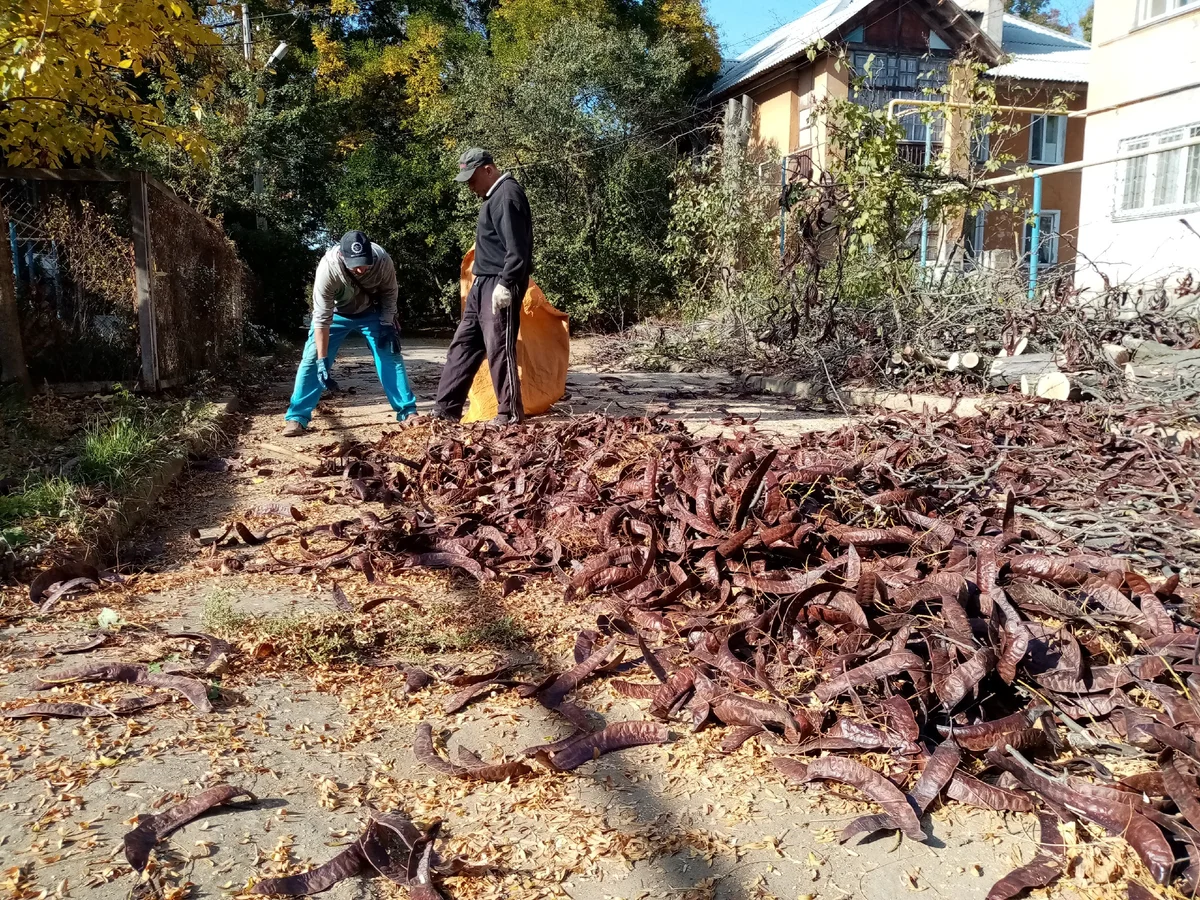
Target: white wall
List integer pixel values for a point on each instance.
(1129, 62)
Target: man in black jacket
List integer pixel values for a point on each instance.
(503, 264)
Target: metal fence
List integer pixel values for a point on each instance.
(118, 280)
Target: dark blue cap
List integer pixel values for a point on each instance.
(356, 250)
(471, 160)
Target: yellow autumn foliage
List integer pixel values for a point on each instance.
(689, 23)
(65, 75)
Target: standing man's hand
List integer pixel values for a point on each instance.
(501, 298)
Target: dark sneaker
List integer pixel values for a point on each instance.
(503, 420)
(293, 429)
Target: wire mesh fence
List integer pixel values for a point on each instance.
(201, 290)
(73, 272)
(117, 280)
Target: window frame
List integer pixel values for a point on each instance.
(1046, 238)
(981, 141)
(1152, 166)
(978, 236)
(897, 74)
(1174, 7)
(1060, 146)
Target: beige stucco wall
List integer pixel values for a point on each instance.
(775, 116)
(829, 81)
(783, 117)
(1128, 63)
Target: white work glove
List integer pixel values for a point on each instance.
(501, 298)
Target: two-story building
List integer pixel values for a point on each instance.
(778, 86)
(1140, 217)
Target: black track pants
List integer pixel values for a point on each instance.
(480, 334)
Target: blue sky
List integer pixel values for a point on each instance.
(742, 22)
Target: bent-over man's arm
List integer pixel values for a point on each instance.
(325, 291)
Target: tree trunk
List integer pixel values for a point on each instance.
(12, 351)
(1053, 386)
(1144, 349)
(1160, 369)
(1007, 370)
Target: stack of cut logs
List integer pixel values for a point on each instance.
(1151, 366)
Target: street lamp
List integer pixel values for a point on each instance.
(277, 54)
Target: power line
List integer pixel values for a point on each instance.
(773, 28)
(614, 142)
(233, 22)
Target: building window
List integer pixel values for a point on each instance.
(1047, 138)
(973, 235)
(1150, 10)
(1159, 184)
(897, 76)
(981, 140)
(1047, 238)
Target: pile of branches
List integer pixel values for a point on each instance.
(901, 336)
(902, 587)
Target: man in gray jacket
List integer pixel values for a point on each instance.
(503, 264)
(355, 290)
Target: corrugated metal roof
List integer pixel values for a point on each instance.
(788, 42)
(1061, 65)
(1038, 53)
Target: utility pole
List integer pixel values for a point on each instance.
(247, 43)
(248, 52)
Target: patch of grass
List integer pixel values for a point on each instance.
(505, 632)
(317, 639)
(41, 503)
(70, 458)
(119, 451)
(457, 621)
(219, 615)
(113, 453)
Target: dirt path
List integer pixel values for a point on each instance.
(317, 736)
(703, 401)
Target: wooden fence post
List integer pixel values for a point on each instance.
(12, 351)
(143, 255)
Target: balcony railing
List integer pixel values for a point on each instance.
(914, 154)
(800, 165)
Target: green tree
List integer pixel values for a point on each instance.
(330, 132)
(1085, 23)
(275, 123)
(402, 195)
(517, 25)
(589, 122)
(1039, 12)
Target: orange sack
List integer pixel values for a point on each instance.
(543, 351)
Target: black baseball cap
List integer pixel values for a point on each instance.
(356, 250)
(470, 161)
